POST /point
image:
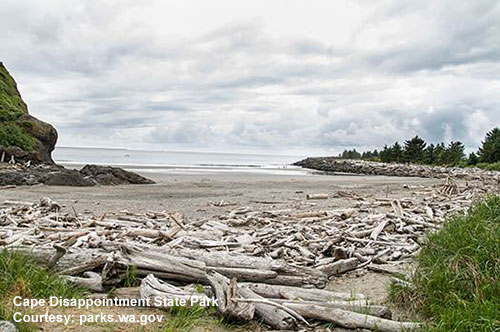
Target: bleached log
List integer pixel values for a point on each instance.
(311, 214)
(72, 263)
(377, 230)
(317, 196)
(360, 306)
(60, 251)
(90, 280)
(49, 204)
(272, 315)
(308, 294)
(350, 319)
(339, 267)
(153, 288)
(226, 292)
(245, 274)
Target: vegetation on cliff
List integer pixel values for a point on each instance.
(19, 129)
(12, 108)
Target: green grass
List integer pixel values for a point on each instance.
(182, 319)
(489, 167)
(21, 276)
(131, 277)
(457, 281)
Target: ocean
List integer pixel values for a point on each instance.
(180, 162)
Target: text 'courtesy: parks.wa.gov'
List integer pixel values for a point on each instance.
(84, 304)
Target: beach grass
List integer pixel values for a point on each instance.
(457, 282)
(21, 276)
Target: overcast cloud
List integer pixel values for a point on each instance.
(263, 75)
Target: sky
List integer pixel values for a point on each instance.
(276, 76)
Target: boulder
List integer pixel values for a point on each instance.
(108, 175)
(19, 130)
(67, 177)
(7, 326)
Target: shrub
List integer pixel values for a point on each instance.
(12, 135)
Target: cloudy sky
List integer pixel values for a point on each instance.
(278, 76)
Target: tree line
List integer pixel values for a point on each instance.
(416, 150)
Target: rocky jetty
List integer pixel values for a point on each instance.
(336, 165)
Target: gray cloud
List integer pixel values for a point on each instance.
(311, 78)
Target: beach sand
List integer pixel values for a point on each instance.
(191, 195)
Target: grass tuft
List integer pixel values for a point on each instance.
(457, 283)
(22, 276)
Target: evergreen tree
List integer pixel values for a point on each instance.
(453, 154)
(414, 150)
(384, 154)
(440, 153)
(489, 152)
(473, 159)
(396, 153)
(430, 155)
(350, 154)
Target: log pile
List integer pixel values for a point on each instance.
(268, 263)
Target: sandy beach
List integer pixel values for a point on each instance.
(192, 195)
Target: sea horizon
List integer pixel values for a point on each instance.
(179, 162)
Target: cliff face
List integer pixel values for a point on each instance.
(22, 135)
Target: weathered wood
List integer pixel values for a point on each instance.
(154, 289)
(317, 196)
(272, 315)
(90, 280)
(226, 293)
(310, 294)
(349, 319)
(339, 267)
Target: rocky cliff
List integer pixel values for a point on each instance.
(22, 135)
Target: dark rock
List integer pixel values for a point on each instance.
(67, 177)
(55, 175)
(18, 153)
(13, 178)
(108, 175)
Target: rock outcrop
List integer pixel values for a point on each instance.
(55, 175)
(108, 175)
(21, 134)
(26, 144)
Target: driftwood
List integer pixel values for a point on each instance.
(226, 292)
(310, 294)
(317, 196)
(277, 259)
(351, 319)
(153, 288)
(90, 280)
